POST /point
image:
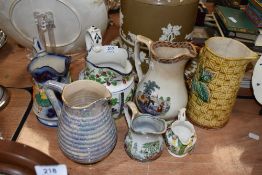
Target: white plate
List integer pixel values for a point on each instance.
(71, 17)
(257, 80)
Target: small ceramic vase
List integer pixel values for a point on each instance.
(109, 66)
(43, 67)
(180, 136)
(86, 129)
(143, 141)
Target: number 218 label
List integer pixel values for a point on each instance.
(51, 170)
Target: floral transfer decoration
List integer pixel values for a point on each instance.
(148, 151)
(170, 32)
(151, 150)
(105, 76)
(149, 102)
(42, 101)
(41, 97)
(200, 84)
(175, 145)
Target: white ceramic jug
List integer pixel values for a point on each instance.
(109, 65)
(162, 90)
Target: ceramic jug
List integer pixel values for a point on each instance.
(162, 90)
(214, 88)
(86, 129)
(143, 141)
(43, 67)
(180, 136)
(109, 65)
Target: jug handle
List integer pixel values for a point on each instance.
(182, 114)
(49, 87)
(148, 42)
(130, 105)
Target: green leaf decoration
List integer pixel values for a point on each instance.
(170, 133)
(205, 76)
(150, 148)
(42, 102)
(114, 101)
(181, 148)
(114, 83)
(92, 77)
(202, 91)
(199, 84)
(194, 85)
(129, 96)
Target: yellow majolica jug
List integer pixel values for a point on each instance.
(215, 85)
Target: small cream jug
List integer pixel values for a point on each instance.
(86, 129)
(143, 141)
(180, 136)
(162, 90)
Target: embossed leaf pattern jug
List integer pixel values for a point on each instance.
(162, 90)
(215, 85)
(86, 129)
(143, 141)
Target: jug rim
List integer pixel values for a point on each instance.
(140, 115)
(108, 94)
(37, 58)
(187, 45)
(185, 124)
(110, 68)
(253, 54)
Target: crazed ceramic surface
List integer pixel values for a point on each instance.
(162, 90)
(86, 129)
